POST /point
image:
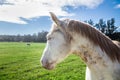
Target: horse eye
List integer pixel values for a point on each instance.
(49, 38)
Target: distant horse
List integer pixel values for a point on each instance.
(100, 53)
(28, 44)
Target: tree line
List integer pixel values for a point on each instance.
(107, 27)
(39, 37)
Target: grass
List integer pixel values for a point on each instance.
(21, 62)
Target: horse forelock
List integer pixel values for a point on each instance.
(96, 37)
(62, 29)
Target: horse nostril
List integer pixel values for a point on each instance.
(44, 62)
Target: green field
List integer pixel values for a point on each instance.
(21, 62)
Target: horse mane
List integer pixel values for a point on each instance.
(97, 38)
(117, 43)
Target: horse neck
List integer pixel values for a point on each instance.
(89, 52)
(94, 57)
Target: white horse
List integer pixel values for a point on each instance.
(100, 54)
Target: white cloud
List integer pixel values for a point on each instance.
(34, 8)
(117, 6)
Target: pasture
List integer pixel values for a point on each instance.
(19, 61)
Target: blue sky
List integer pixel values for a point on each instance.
(32, 16)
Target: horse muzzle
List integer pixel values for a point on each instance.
(47, 65)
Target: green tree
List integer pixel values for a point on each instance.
(90, 22)
(111, 26)
(102, 25)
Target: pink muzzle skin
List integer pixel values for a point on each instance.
(47, 65)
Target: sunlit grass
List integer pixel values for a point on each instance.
(19, 61)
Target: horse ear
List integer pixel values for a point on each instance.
(54, 18)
